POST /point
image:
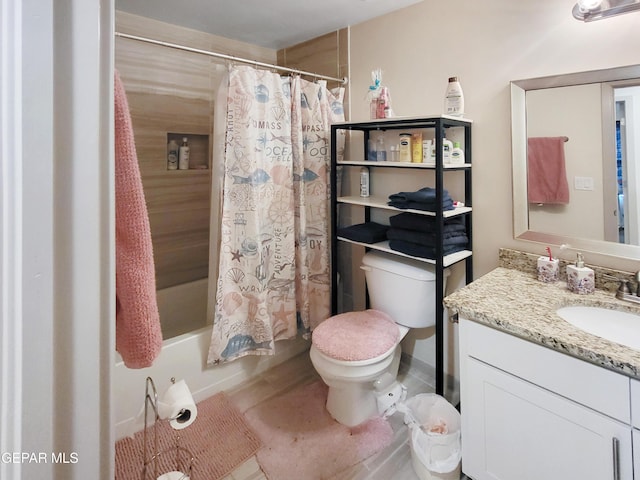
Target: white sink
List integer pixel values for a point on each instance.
(613, 325)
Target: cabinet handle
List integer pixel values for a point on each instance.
(615, 448)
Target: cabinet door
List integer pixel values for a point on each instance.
(636, 453)
(512, 429)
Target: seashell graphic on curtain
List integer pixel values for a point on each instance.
(273, 275)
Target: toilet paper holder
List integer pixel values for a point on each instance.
(151, 458)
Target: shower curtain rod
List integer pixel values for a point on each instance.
(343, 80)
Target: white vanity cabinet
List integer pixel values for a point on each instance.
(531, 413)
(635, 420)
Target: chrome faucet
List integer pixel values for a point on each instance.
(625, 290)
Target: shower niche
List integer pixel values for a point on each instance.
(199, 145)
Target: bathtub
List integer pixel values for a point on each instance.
(185, 357)
(183, 308)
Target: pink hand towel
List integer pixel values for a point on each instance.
(138, 333)
(546, 171)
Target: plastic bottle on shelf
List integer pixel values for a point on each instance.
(183, 156)
(394, 152)
(405, 147)
(383, 102)
(427, 151)
(454, 98)
(447, 148)
(457, 154)
(172, 155)
(364, 182)
(372, 153)
(381, 151)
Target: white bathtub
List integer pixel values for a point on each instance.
(185, 357)
(183, 308)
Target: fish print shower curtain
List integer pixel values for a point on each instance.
(273, 276)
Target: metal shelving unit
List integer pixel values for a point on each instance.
(439, 125)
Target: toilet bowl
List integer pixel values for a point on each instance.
(357, 354)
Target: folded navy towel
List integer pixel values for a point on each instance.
(424, 195)
(369, 232)
(447, 204)
(422, 223)
(421, 251)
(427, 238)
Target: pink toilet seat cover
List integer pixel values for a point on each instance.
(356, 336)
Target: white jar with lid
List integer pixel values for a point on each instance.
(405, 147)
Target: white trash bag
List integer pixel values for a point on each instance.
(434, 433)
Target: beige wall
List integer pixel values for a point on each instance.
(487, 44)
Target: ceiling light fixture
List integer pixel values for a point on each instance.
(590, 10)
(588, 5)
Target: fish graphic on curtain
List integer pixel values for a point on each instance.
(273, 274)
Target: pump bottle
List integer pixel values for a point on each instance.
(580, 279)
(454, 98)
(183, 159)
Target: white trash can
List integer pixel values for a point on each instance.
(434, 436)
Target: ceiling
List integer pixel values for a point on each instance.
(269, 23)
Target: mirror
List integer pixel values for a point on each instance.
(592, 118)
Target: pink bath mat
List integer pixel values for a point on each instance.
(219, 440)
(302, 441)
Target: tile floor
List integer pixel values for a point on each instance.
(393, 463)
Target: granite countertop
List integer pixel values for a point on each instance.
(515, 302)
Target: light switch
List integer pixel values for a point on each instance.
(583, 183)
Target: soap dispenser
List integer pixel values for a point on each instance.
(580, 279)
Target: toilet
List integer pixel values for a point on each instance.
(357, 354)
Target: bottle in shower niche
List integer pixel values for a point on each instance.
(172, 155)
(364, 182)
(454, 98)
(183, 156)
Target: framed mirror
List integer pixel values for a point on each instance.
(576, 138)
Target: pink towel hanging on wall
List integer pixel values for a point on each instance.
(138, 332)
(546, 171)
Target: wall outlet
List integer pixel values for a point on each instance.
(583, 183)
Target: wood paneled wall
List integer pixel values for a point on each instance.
(325, 55)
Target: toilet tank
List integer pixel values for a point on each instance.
(402, 287)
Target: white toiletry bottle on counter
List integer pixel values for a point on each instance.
(454, 98)
(172, 155)
(183, 156)
(364, 182)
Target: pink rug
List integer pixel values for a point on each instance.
(302, 441)
(219, 440)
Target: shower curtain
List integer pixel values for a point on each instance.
(273, 271)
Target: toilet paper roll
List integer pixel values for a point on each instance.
(177, 406)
